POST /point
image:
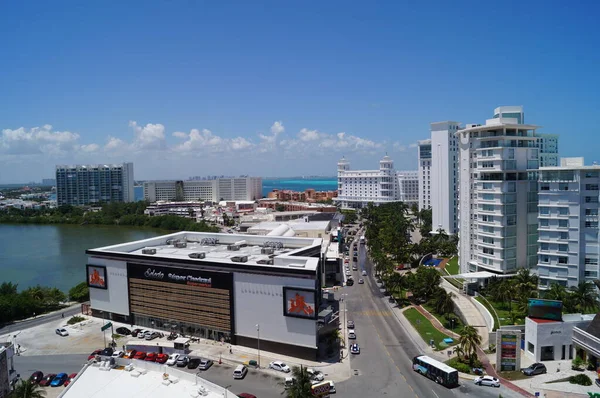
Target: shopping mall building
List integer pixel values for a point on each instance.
(226, 287)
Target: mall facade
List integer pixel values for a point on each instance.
(231, 288)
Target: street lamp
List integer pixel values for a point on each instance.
(258, 342)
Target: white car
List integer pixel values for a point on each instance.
(361, 281)
(364, 273)
(142, 334)
(118, 354)
(173, 359)
(487, 381)
(62, 332)
(279, 366)
(351, 334)
(354, 349)
(315, 375)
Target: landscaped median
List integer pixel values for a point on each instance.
(426, 329)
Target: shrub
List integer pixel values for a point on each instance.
(459, 365)
(75, 319)
(582, 380)
(80, 292)
(577, 363)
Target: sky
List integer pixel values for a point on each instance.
(281, 88)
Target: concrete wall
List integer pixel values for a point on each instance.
(116, 298)
(555, 334)
(259, 300)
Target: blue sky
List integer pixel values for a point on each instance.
(281, 88)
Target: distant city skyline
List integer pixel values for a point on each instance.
(237, 88)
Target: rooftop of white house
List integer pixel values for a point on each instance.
(268, 251)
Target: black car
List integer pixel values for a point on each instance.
(355, 259)
(124, 331)
(135, 332)
(534, 369)
(193, 363)
(172, 336)
(350, 282)
(36, 377)
(107, 352)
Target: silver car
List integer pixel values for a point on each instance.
(487, 381)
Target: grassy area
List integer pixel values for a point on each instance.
(491, 310)
(457, 283)
(452, 266)
(426, 328)
(503, 313)
(513, 375)
(444, 319)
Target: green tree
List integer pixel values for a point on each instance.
(27, 389)
(556, 292)
(584, 297)
(8, 289)
(80, 292)
(302, 383)
(469, 340)
(443, 303)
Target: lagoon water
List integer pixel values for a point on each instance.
(54, 255)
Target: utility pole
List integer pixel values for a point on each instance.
(258, 342)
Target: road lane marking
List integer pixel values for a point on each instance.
(435, 394)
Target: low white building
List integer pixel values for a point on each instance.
(299, 228)
(215, 190)
(214, 286)
(8, 374)
(548, 340)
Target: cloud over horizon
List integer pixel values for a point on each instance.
(160, 154)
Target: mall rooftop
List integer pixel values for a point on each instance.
(264, 251)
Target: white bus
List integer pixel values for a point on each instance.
(362, 240)
(436, 370)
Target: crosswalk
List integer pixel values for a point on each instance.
(373, 313)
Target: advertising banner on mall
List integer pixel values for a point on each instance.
(96, 276)
(299, 303)
(184, 276)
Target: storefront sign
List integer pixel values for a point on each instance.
(508, 353)
(299, 303)
(96, 276)
(219, 280)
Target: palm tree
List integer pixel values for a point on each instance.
(584, 296)
(469, 340)
(460, 353)
(556, 292)
(443, 304)
(302, 385)
(526, 284)
(27, 389)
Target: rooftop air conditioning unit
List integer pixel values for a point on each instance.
(197, 255)
(239, 259)
(180, 245)
(265, 261)
(267, 250)
(233, 248)
(171, 241)
(148, 251)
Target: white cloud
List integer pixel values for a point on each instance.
(88, 148)
(150, 136)
(308, 135)
(399, 147)
(114, 143)
(180, 134)
(413, 145)
(208, 142)
(37, 140)
(277, 128)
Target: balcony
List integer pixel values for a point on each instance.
(588, 342)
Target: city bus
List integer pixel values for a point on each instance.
(436, 371)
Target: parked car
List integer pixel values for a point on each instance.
(182, 361)
(62, 332)
(161, 358)
(205, 364)
(246, 395)
(140, 355)
(45, 382)
(135, 332)
(316, 375)
(354, 349)
(279, 366)
(150, 357)
(124, 331)
(487, 381)
(72, 377)
(36, 377)
(107, 352)
(59, 380)
(331, 386)
(193, 363)
(534, 369)
(152, 336)
(354, 258)
(93, 354)
(364, 273)
(142, 334)
(354, 267)
(240, 372)
(129, 354)
(361, 281)
(118, 354)
(350, 325)
(172, 359)
(349, 282)
(351, 334)
(172, 336)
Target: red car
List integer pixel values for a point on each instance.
(71, 377)
(93, 354)
(151, 357)
(139, 355)
(162, 358)
(45, 382)
(246, 395)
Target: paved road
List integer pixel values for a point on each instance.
(71, 363)
(384, 364)
(70, 311)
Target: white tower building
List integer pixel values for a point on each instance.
(424, 159)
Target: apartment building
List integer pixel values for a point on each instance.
(548, 146)
(94, 183)
(568, 223)
(498, 162)
(424, 161)
(408, 187)
(444, 176)
(357, 188)
(214, 190)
